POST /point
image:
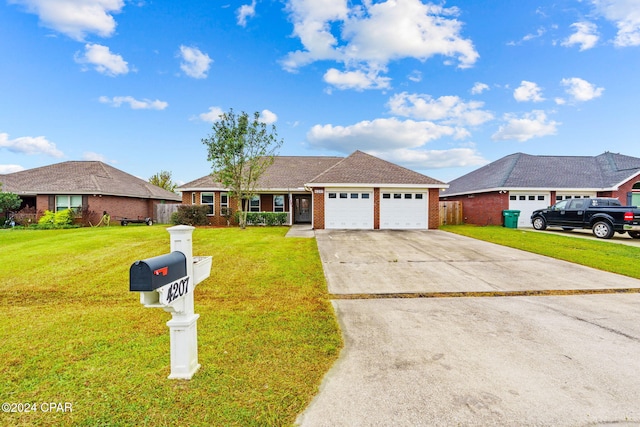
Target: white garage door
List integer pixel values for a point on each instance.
(348, 209)
(526, 203)
(404, 210)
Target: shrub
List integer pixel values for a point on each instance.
(266, 218)
(62, 219)
(190, 215)
(48, 219)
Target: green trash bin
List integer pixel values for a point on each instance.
(511, 218)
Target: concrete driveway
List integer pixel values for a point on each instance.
(570, 360)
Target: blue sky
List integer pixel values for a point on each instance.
(442, 88)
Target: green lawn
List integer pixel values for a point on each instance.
(72, 333)
(600, 254)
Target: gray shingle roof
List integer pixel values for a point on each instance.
(294, 172)
(82, 177)
(520, 170)
(362, 168)
(286, 172)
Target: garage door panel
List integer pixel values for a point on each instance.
(403, 210)
(349, 209)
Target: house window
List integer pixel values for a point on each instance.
(332, 195)
(419, 196)
(193, 198)
(354, 195)
(224, 203)
(343, 195)
(386, 195)
(365, 195)
(408, 195)
(532, 197)
(397, 196)
(68, 202)
(278, 203)
(540, 197)
(207, 200)
(513, 198)
(254, 204)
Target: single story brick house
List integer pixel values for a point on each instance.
(356, 192)
(525, 182)
(89, 187)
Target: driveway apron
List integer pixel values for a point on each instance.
(414, 357)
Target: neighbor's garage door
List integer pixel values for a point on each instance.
(526, 203)
(404, 210)
(348, 209)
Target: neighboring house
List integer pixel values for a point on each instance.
(357, 192)
(89, 187)
(524, 182)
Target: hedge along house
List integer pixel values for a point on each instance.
(88, 187)
(525, 182)
(357, 192)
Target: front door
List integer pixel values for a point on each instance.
(302, 209)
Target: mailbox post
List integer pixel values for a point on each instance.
(168, 282)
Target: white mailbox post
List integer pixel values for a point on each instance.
(168, 282)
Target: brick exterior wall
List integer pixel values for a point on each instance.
(482, 208)
(116, 206)
(318, 208)
(434, 208)
(376, 208)
(625, 189)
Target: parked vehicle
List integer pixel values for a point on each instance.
(604, 216)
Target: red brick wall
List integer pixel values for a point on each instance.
(624, 189)
(376, 208)
(483, 208)
(318, 208)
(117, 207)
(434, 209)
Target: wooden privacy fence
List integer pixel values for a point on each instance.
(450, 213)
(163, 212)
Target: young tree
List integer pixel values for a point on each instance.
(8, 202)
(163, 180)
(241, 149)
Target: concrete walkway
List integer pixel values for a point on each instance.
(300, 230)
(474, 361)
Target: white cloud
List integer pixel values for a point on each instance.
(268, 117)
(379, 134)
(581, 90)
(211, 116)
(93, 156)
(30, 145)
(135, 104)
(432, 159)
(358, 80)
(625, 14)
(447, 109)
(586, 36)
(195, 63)
(246, 11)
(4, 169)
(101, 58)
(367, 36)
(530, 125)
(75, 18)
(478, 88)
(528, 91)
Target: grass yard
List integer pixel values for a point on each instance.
(603, 255)
(74, 335)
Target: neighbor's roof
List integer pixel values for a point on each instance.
(362, 168)
(82, 177)
(524, 171)
(295, 172)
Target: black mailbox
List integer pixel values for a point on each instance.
(150, 274)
